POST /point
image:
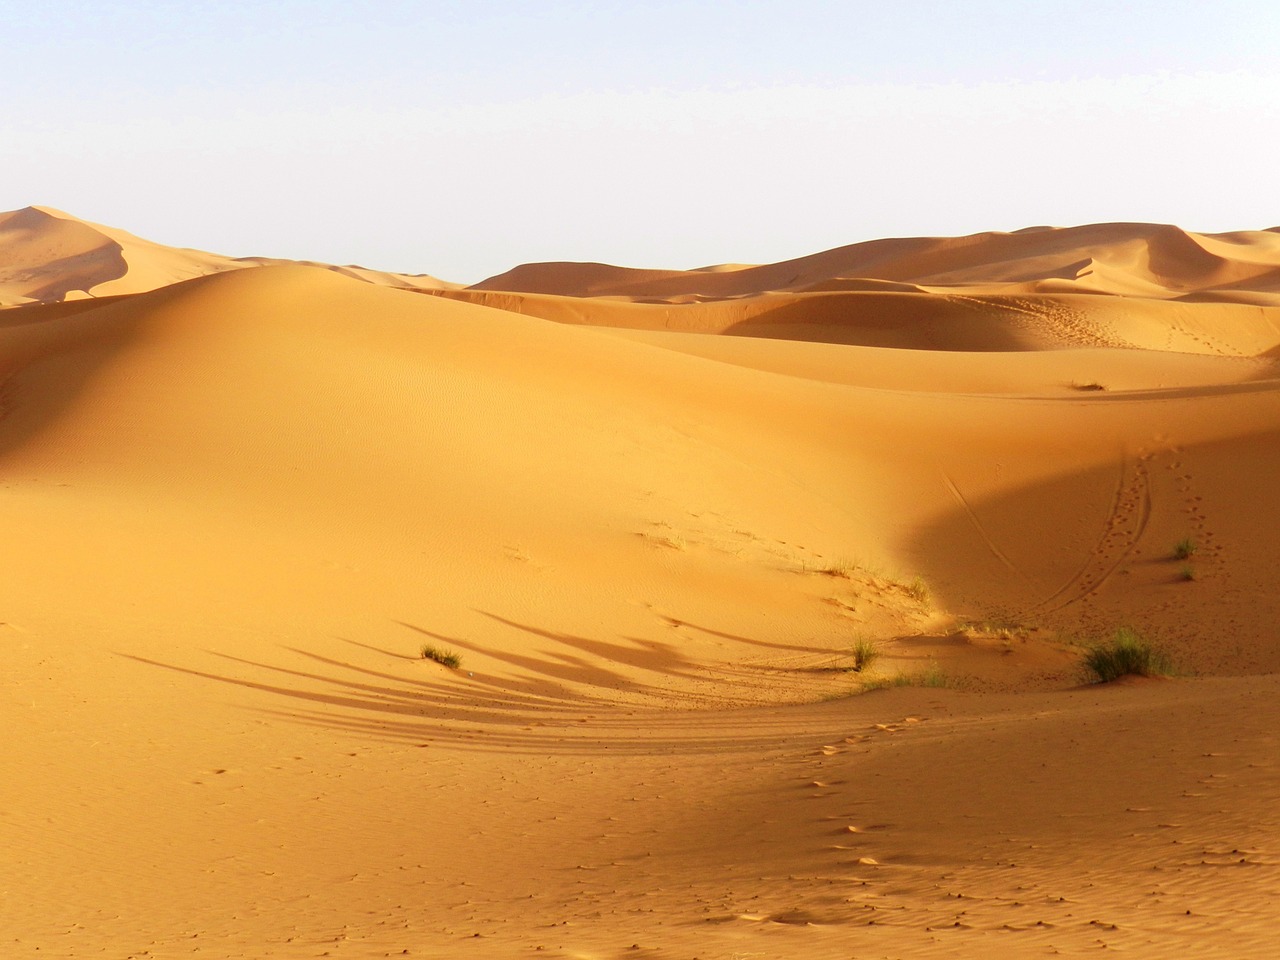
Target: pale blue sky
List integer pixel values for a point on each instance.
(462, 138)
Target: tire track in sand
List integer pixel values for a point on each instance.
(978, 526)
(8, 391)
(1047, 318)
(1124, 526)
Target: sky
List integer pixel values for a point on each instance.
(462, 138)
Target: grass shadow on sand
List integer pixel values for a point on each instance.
(554, 710)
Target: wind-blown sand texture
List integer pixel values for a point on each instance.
(652, 511)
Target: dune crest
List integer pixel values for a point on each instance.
(1157, 259)
(50, 256)
(44, 256)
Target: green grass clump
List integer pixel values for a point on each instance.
(1184, 548)
(932, 677)
(887, 683)
(446, 658)
(865, 652)
(1128, 654)
(918, 590)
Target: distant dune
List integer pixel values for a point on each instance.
(49, 256)
(1115, 285)
(655, 514)
(1117, 258)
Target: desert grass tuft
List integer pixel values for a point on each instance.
(1005, 630)
(887, 683)
(865, 652)
(933, 678)
(844, 569)
(1184, 548)
(446, 658)
(1127, 654)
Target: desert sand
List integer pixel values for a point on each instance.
(652, 511)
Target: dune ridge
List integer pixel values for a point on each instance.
(50, 256)
(1121, 285)
(47, 255)
(1114, 258)
(239, 505)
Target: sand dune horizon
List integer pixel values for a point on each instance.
(654, 514)
(1156, 261)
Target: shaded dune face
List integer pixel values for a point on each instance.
(45, 258)
(654, 514)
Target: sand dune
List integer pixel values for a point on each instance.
(239, 505)
(1138, 286)
(47, 256)
(1115, 258)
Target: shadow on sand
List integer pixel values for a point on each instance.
(560, 702)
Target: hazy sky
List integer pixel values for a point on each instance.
(462, 138)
